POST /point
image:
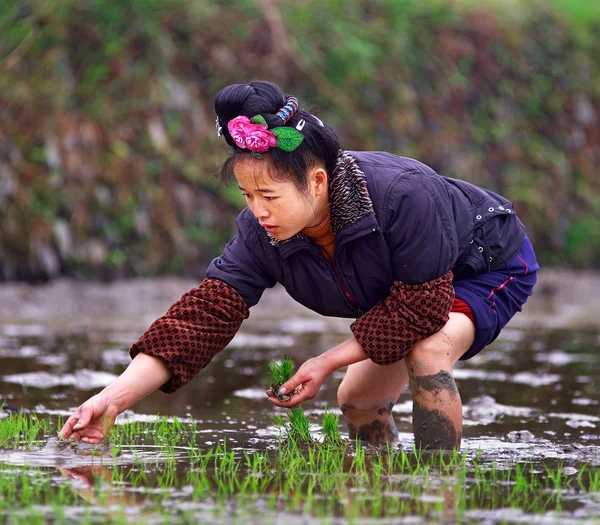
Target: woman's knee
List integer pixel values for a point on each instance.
(369, 384)
(428, 354)
(355, 406)
(359, 407)
(444, 348)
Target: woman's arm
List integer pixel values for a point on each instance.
(92, 420)
(144, 375)
(313, 373)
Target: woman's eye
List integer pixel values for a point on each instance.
(270, 198)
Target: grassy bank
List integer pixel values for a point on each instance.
(107, 143)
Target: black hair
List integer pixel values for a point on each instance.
(320, 144)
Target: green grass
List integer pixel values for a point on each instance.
(299, 427)
(19, 430)
(280, 372)
(331, 428)
(335, 477)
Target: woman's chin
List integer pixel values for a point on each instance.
(282, 235)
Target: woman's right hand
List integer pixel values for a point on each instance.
(92, 421)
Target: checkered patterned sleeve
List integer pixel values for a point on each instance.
(410, 313)
(193, 330)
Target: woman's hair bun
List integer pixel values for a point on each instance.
(254, 98)
(319, 145)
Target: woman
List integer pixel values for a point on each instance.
(431, 268)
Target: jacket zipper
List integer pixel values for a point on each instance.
(344, 287)
(351, 300)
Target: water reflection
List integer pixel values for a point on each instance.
(530, 396)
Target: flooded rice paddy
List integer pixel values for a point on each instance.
(211, 453)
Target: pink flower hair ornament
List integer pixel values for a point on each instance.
(253, 134)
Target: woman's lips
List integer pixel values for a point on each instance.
(270, 228)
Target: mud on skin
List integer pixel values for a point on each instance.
(378, 430)
(433, 429)
(436, 383)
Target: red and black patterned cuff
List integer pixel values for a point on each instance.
(193, 330)
(411, 313)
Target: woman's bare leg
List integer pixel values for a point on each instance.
(366, 396)
(369, 391)
(437, 408)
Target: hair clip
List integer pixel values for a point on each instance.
(219, 128)
(300, 124)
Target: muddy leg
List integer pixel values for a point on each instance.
(367, 395)
(437, 411)
(437, 408)
(374, 424)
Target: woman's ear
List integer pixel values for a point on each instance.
(318, 180)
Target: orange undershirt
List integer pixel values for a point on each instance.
(323, 237)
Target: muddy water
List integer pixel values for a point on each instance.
(533, 395)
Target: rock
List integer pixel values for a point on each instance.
(158, 135)
(94, 252)
(62, 237)
(186, 201)
(52, 153)
(47, 258)
(520, 436)
(585, 114)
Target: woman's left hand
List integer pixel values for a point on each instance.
(309, 377)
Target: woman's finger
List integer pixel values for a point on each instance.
(91, 440)
(86, 415)
(302, 395)
(292, 384)
(67, 428)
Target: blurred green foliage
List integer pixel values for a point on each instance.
(108, 149)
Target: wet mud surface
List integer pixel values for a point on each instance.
(533, 396)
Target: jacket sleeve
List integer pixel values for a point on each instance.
(421, 234)
(193, 331)
(206, 318)
(245, 264)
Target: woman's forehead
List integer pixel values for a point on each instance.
(255, 173)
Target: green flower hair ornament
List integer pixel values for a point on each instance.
(253, 134)
(288, 139)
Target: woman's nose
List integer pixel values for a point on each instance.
(260, 211)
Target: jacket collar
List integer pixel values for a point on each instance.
(349, 198)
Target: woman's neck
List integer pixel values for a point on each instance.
(321, 211)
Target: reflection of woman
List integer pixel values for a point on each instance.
(431, 269)
(87, 478)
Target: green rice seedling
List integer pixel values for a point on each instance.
(594, 483)
(280, 373)
(279, 424)
(556, 477)
(19, 430)
(359, 461)
(331, 430)
(299, 427)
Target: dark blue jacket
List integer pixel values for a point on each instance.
(394, 219)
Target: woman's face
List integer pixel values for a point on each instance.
(281, 209)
